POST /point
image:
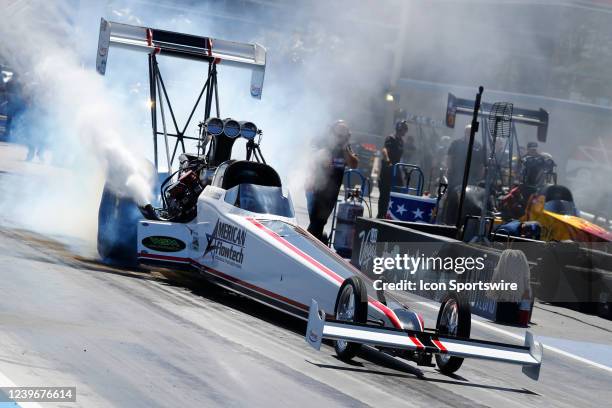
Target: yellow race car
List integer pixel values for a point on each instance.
(553, 208)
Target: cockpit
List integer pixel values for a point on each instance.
(559, 199)
(234, 172)
(254, 187)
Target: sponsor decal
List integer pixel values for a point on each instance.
(164, 244)
(226, 243)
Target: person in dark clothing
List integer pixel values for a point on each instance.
(456, 161)
(324, 187)
(532, 149)
(391, 154)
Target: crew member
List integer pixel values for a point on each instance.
(391, 154)
(532, 149)
(456, 161)
(538, 169)
(328, 172)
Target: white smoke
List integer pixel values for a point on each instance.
(79, 123)
(326, 61)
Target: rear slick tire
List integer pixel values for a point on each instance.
(351, 306)
(117, 228)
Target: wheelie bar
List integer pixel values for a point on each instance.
(528, 356)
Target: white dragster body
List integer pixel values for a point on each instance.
(269, 258)
(231, 222)
(266, 257)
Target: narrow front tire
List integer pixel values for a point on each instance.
(454, 319)
(351, 306)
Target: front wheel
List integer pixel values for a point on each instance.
(454, 319)
(351, 306)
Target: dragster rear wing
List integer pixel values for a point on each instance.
(528, 356)
(151, 40)
(538, 118)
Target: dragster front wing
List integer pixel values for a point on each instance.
(528, 356)
(154, 41)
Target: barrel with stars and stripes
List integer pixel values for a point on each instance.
(407, 207)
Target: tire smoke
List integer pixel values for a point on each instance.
(76, 121)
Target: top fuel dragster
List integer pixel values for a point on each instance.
(232, 222)
(536, 198)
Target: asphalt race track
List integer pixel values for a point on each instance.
(130, 338)
(146, 338)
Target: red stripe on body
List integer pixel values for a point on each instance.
(375, 303)
(417, 343)
(226, 277)
(297, 251)
(255, 288)
(439, 345)
(388, 312)
(384, 309)
(165, 257)
(421, 322)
